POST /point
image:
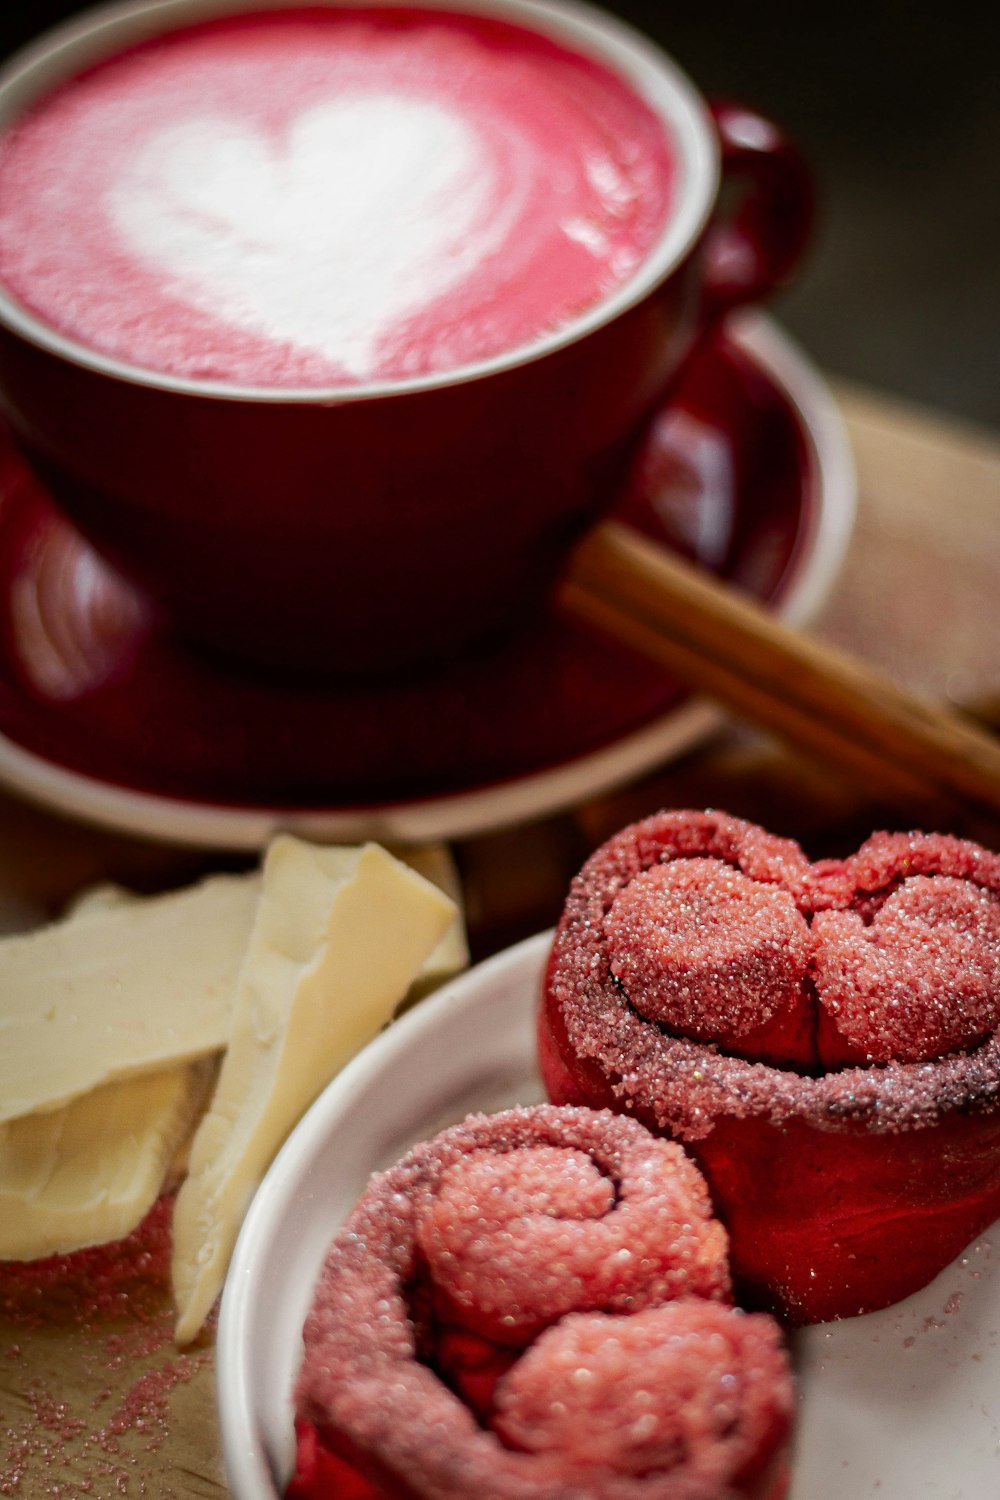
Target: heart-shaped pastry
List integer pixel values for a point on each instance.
(823, 1037)
(535, 1305)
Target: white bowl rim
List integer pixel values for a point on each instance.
(244, 1449)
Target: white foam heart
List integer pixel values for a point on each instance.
(367, 208)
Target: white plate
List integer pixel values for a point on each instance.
(900, 1405)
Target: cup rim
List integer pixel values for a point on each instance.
(98, 33)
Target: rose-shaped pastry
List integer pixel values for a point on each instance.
(535, 1306)
(823, 1038)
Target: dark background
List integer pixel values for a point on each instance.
(897, 106)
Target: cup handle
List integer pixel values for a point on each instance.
(766, 226)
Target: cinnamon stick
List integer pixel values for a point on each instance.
(724, 644)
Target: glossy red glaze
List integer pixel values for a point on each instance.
(355, 532)
(828, 1224)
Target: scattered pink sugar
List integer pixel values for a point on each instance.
(144, 1407)
(922, 978)
(706, 950)
(90, 1334)
(121, 1280)
(96, 1456)
(691, 1389)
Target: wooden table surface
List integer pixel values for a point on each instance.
(98, 1403)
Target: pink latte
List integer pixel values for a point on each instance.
(319, 197)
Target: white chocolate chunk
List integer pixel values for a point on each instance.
(95, 900)
(451, 956)
(90, 1172)
(128, 989)
(338, 937)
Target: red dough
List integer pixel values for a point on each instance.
(536, 1306)
(822, 1037)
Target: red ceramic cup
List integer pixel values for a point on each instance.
(368, 528)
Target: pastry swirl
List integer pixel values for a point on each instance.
(536, 1306)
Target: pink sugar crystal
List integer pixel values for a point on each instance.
(121, 1280)
(922, 978)
(887, 858)
(691, 1389)
(514, 1240)
(111, 1306)
(873, 947)
(689, 835)
(706, 950)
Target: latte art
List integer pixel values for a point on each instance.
(370, 208)
(321, 197)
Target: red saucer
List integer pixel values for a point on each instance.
(103, 714)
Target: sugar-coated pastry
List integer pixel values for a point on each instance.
(823, 1038)
(536, 1305)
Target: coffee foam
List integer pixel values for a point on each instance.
(291, 243)
(310, 198)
